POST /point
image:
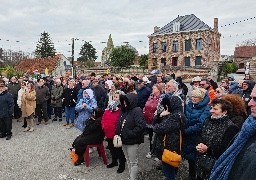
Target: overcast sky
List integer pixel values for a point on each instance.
(126, 20)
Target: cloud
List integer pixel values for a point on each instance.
(126, 20)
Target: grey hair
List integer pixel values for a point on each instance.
(176, 84)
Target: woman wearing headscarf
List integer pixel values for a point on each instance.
(109, 120)
(167, 127)
(131, 126)
(85, 108)
(217, 132)
(196, 112)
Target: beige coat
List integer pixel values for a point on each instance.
(28, 103)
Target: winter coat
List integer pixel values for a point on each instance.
(238, 118)
(247, 97)
(143, 95)
(109, 121)
(196, 114)
(92, 134)
(85, 113)
(150, 108)
(216, 135)
(42, 94)
(13, 88)
(100, 96)
(21, 91)
(70, 97)
(6, 104)
(28, 103)
(244, 165)
(135, 124)
(169, 126)
(80, 93)
(56, 96)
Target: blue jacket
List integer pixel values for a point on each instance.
(84, 113)
(196, 114)
(7, 105)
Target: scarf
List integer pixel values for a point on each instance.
(224, 164)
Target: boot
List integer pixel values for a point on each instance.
(121, 167)
(26, 129)
(113, 164)
(31, 125)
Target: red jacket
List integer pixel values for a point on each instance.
(108, 122)
(150, 108)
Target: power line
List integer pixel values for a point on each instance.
(248, 19)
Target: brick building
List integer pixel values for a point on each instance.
(244, 55)
(185, 42)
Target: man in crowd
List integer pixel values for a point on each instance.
(6, 112)
(143, 93)
(42, 96)
(100, 94)
(13, 88)
(205, 83)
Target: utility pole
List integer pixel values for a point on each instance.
(72, 60)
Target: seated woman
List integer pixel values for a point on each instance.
(92, 134)
(84, 108)
(217, 132)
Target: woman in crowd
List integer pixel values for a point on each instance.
(109, 120)
(238, 113)
(92, 134)
(197, 110)
(20, 93)
(131, 126)
(217, 132)
(84, 108)
(149, 110)
(56, 101)
(167, 127)
(112, 93)
(28, 106)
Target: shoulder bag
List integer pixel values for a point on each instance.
(117, 141)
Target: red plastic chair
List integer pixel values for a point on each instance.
(101, 152)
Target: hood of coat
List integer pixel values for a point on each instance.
(89, 92)
(131, 101)
(173, 103)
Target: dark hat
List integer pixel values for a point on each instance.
(140, 81)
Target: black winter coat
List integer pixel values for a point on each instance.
(135, 124)
(70, 97)
(42, 94)
(101, 96)
(92, 134)
(143, 95)
(13, 88)
(6, 104)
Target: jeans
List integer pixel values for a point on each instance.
(131, 155)
(70, 114)
(169, 171)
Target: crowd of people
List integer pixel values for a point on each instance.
(216, 124)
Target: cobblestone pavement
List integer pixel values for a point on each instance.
(44, 155)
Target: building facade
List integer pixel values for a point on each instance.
(185, 42)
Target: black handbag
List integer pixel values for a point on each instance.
(204, 164)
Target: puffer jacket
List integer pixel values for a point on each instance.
(196, 114)
(108, 122)
(135, 124)
(169, 126)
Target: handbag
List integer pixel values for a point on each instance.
(171, 157)
(73, 155)
(117, 141)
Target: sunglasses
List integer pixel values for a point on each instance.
(201, 84)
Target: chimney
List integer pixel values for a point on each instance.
(216, 24)
(156, 29)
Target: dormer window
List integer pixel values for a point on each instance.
(176, 27)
